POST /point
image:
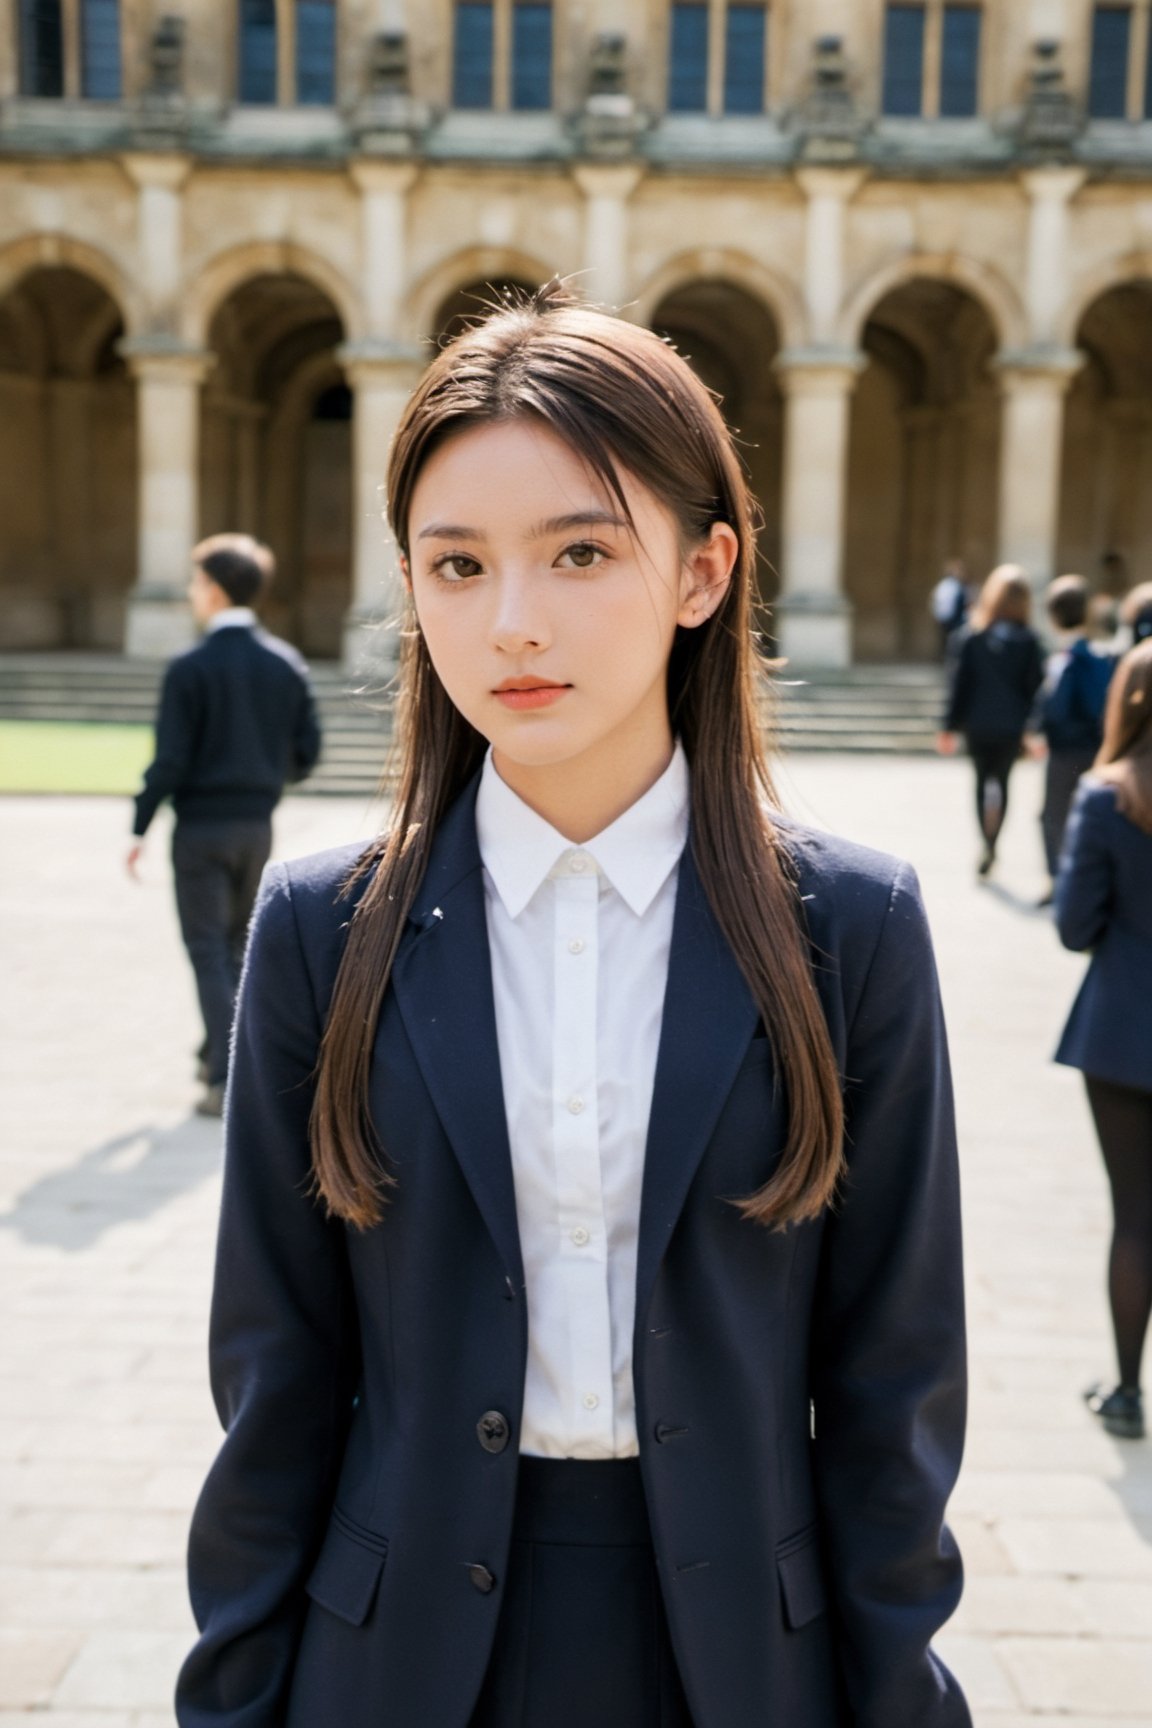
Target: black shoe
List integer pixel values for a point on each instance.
(1121, 1411)
(1046, 899)
(202, 1071)
(987, 859)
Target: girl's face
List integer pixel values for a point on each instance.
(548, 619)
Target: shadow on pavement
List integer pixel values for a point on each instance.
(1133, 1489)
(129, 1177)
(1017, 902)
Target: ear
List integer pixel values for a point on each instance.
(405, 572)
(706, 575)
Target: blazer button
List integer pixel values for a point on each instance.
(481, 1579)
(493, 1431)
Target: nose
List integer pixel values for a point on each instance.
(519, 621)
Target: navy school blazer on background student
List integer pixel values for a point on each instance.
(1103, 901)
(800, 1394)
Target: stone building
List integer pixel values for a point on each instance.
(909, 244)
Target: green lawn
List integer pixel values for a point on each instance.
(61, 756)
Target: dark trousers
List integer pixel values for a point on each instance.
(217, 867)
(582, 1637)
(1061, 777)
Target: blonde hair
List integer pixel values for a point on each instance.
(1005, 598)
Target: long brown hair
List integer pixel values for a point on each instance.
(1125, 758)
(622, 399)
(1004, 598)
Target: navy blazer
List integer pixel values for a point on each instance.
(1104, 902)
(800, 1394)
(994, 682)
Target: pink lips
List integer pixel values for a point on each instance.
(523, 693)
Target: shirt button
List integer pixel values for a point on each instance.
(581, 1237)
(575, 1106)
(578, 862)
(576, 946)
(591, 1401)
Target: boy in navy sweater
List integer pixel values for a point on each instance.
(236, 722)
(1070, 709)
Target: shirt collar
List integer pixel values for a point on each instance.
(230, 615)
(636, 854)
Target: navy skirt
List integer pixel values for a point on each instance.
(582, 1636)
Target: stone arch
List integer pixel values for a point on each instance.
(923, 459)
(67, 452)
(1117, 273)
(473, 264)
(63, 251)
(985, 284)
(781, 298)
(222, 275)
(1105, 520)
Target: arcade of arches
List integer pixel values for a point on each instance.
(279, 401)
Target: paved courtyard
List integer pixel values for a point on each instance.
(108, 1194)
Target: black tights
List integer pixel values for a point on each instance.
(993, 759)
(1123, 1118)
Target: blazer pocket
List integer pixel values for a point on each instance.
(801, 1578)
(347, 1572)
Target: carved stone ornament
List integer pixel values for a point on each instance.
(1049, 122)
(828, 120)
(388, 121)
(610, 122)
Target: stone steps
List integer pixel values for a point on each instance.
(873, 710)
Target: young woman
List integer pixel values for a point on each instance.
(1104, 902)
(998, 671)
(588, 1323)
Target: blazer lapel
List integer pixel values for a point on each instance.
(442, 980)
(709, 1018)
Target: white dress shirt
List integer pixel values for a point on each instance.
(580, 938)
(229, 615)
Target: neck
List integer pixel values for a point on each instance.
(582, 797)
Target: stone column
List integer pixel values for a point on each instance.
(168, 379)
(813, 614)
(1050, 191)
(382, 376)
(1033, 384)
(828, 191)
(607, 189)
(159, 181)
(383, 188)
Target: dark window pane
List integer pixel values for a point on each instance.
(903, 59)
(1108, 89)
(1148, 80)
(257, 51)
(531, 56)
(688, 60)
(41, 48)
(745, 43)
(472, 63)
(960, 67)
(315, 51)
(100, 49)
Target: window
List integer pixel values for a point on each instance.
(903, 60)
(257, 45)
(932, 59)
(41, 48)
(315, 52)
(745, 57)
(960, 62)
(531, 55)
(473, 57)
(70, 48)
(688, 60)
(1108, 80)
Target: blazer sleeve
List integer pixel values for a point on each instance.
(960, 689)
(177, 723)
(1085, 883)
(889, 1376)
(284, 1351)
(306, 739)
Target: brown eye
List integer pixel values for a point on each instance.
(583, 556)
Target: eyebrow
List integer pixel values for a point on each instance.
(552, 525)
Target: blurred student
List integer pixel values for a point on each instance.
(1104, 903)
(1136, 613)
(950, 601)
(998, 670)
(1070, 709)
(236, 722)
